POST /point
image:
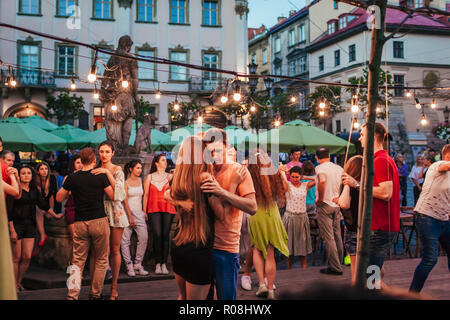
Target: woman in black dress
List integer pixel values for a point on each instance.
(192, 246)
(22, 221)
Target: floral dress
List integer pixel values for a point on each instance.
(114, 209)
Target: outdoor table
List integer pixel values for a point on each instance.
(407, 216)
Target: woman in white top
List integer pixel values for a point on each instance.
(138, 222)
(295, 218)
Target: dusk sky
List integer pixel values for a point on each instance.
(266, 11)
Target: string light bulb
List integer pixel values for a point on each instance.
(293, 99)
(7, 81)
(237, 96)
(408, 94)
(355, 108)
(224, 99)
(416, 101)
(423, 120)
(433, 104)
(176, 105)
(253, 109)
(96, 94)
(73, 86)
(378, 109)
(321, 113)
(114, 107)
(158, 95)
(356, 124)
(200, 119)
(355, 103)
(322, 105)
(277, 123)
(125, 83)
(92, 77)
(12, 82)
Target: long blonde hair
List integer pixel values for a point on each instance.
(193, 226)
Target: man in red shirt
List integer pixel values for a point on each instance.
(386, 198)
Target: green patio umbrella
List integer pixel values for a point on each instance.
(20, 136)
(237, 135)
(40, 123)
(302, 134)
(160, 140)
(180, 134)
(68, 132)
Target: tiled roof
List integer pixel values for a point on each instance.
(292, 18)
(393, 17)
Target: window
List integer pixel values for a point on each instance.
(337, 58)
(335, 5)
(99, 117)
(350, 18)
(278, 69)
(147, 70)
(398, 49)
(301, 33)
(103, 9)
(338, 125)
(291, 67)
(253, 58)
(264, 56)
(146, 10)
(210, 60)
(83, 120)
(178, 11)
(342, 22)
(277, 45)
(66, 57)
(178, 73)
(399, 81)
(30, 6)
(418, 3)
(63, 7)
(331, 27)
(321, 63)
(351, 53)
(211, 12)
(291, 37)
(302, 64)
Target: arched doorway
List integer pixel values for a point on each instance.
(25, 109)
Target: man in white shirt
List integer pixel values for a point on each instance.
(328, 212)
(432, 218)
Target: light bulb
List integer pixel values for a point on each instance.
(293, 99)
(355, 108)
(92, 73)
(7, 81)
(114, 107)
(321, 113)
(433, 104)
(224, 99)
(200, 119)
(176, 106)
(73, 86)
(252, 108)
(158, 95)
(13, 82)
(322, 105)
(237, 96)
(96, 95)
(423, 120)
(378, 109)
(125, 84)
(408, 93)
(356, 125)
(418, 106)
(277, 123)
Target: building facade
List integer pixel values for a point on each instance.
(259, 52)
(211, 33)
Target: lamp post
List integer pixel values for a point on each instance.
(253, 83)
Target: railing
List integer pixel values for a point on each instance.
(30, 77)
(203, 85)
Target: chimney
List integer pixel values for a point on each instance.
(280, 19)
(291, 12)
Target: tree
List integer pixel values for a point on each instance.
(64, 107)
(331, 96)
(186, 113)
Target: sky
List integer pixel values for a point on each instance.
(267, 11)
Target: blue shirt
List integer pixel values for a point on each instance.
(310, 195)
(403, 171)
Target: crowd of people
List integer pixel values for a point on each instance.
(224, 209)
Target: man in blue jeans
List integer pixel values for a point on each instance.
(233, 184)
(432, 218)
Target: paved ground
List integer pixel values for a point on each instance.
(398, 274)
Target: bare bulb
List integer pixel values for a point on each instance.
(224, 99)
(355, 108)
(114, 107)
(237, 96)
(176, 106)
(356, 125)
(200, 119)
(408, 94)
(433, 104)
(321, 113)
(277, 123)
(378, 109)
(73, 86)
(418, 106)
(92, 77)
(252, 108)
(96, 95)
(125, 84)
(158, 95)
(293, 99)
(13, 82)
(322, 105)
(423, 120)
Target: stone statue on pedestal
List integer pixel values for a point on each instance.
(119, 100)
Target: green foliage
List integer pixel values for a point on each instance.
(185, 115)
(64, 107)
(431, 80)
(143, 108)
(332, 97)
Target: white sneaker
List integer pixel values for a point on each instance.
(246, 283)
(164, 269)
(130, 270)
(262, 291)
(265, 281)
(140, 270)
(158, 269)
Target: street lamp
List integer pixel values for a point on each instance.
(253, 82)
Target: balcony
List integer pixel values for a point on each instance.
(32, 78)
(203, 85)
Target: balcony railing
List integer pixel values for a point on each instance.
(203, 85)
(30, 77)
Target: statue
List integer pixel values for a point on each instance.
(118, 119)
(143, 136)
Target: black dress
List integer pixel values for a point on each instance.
(195, 264)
